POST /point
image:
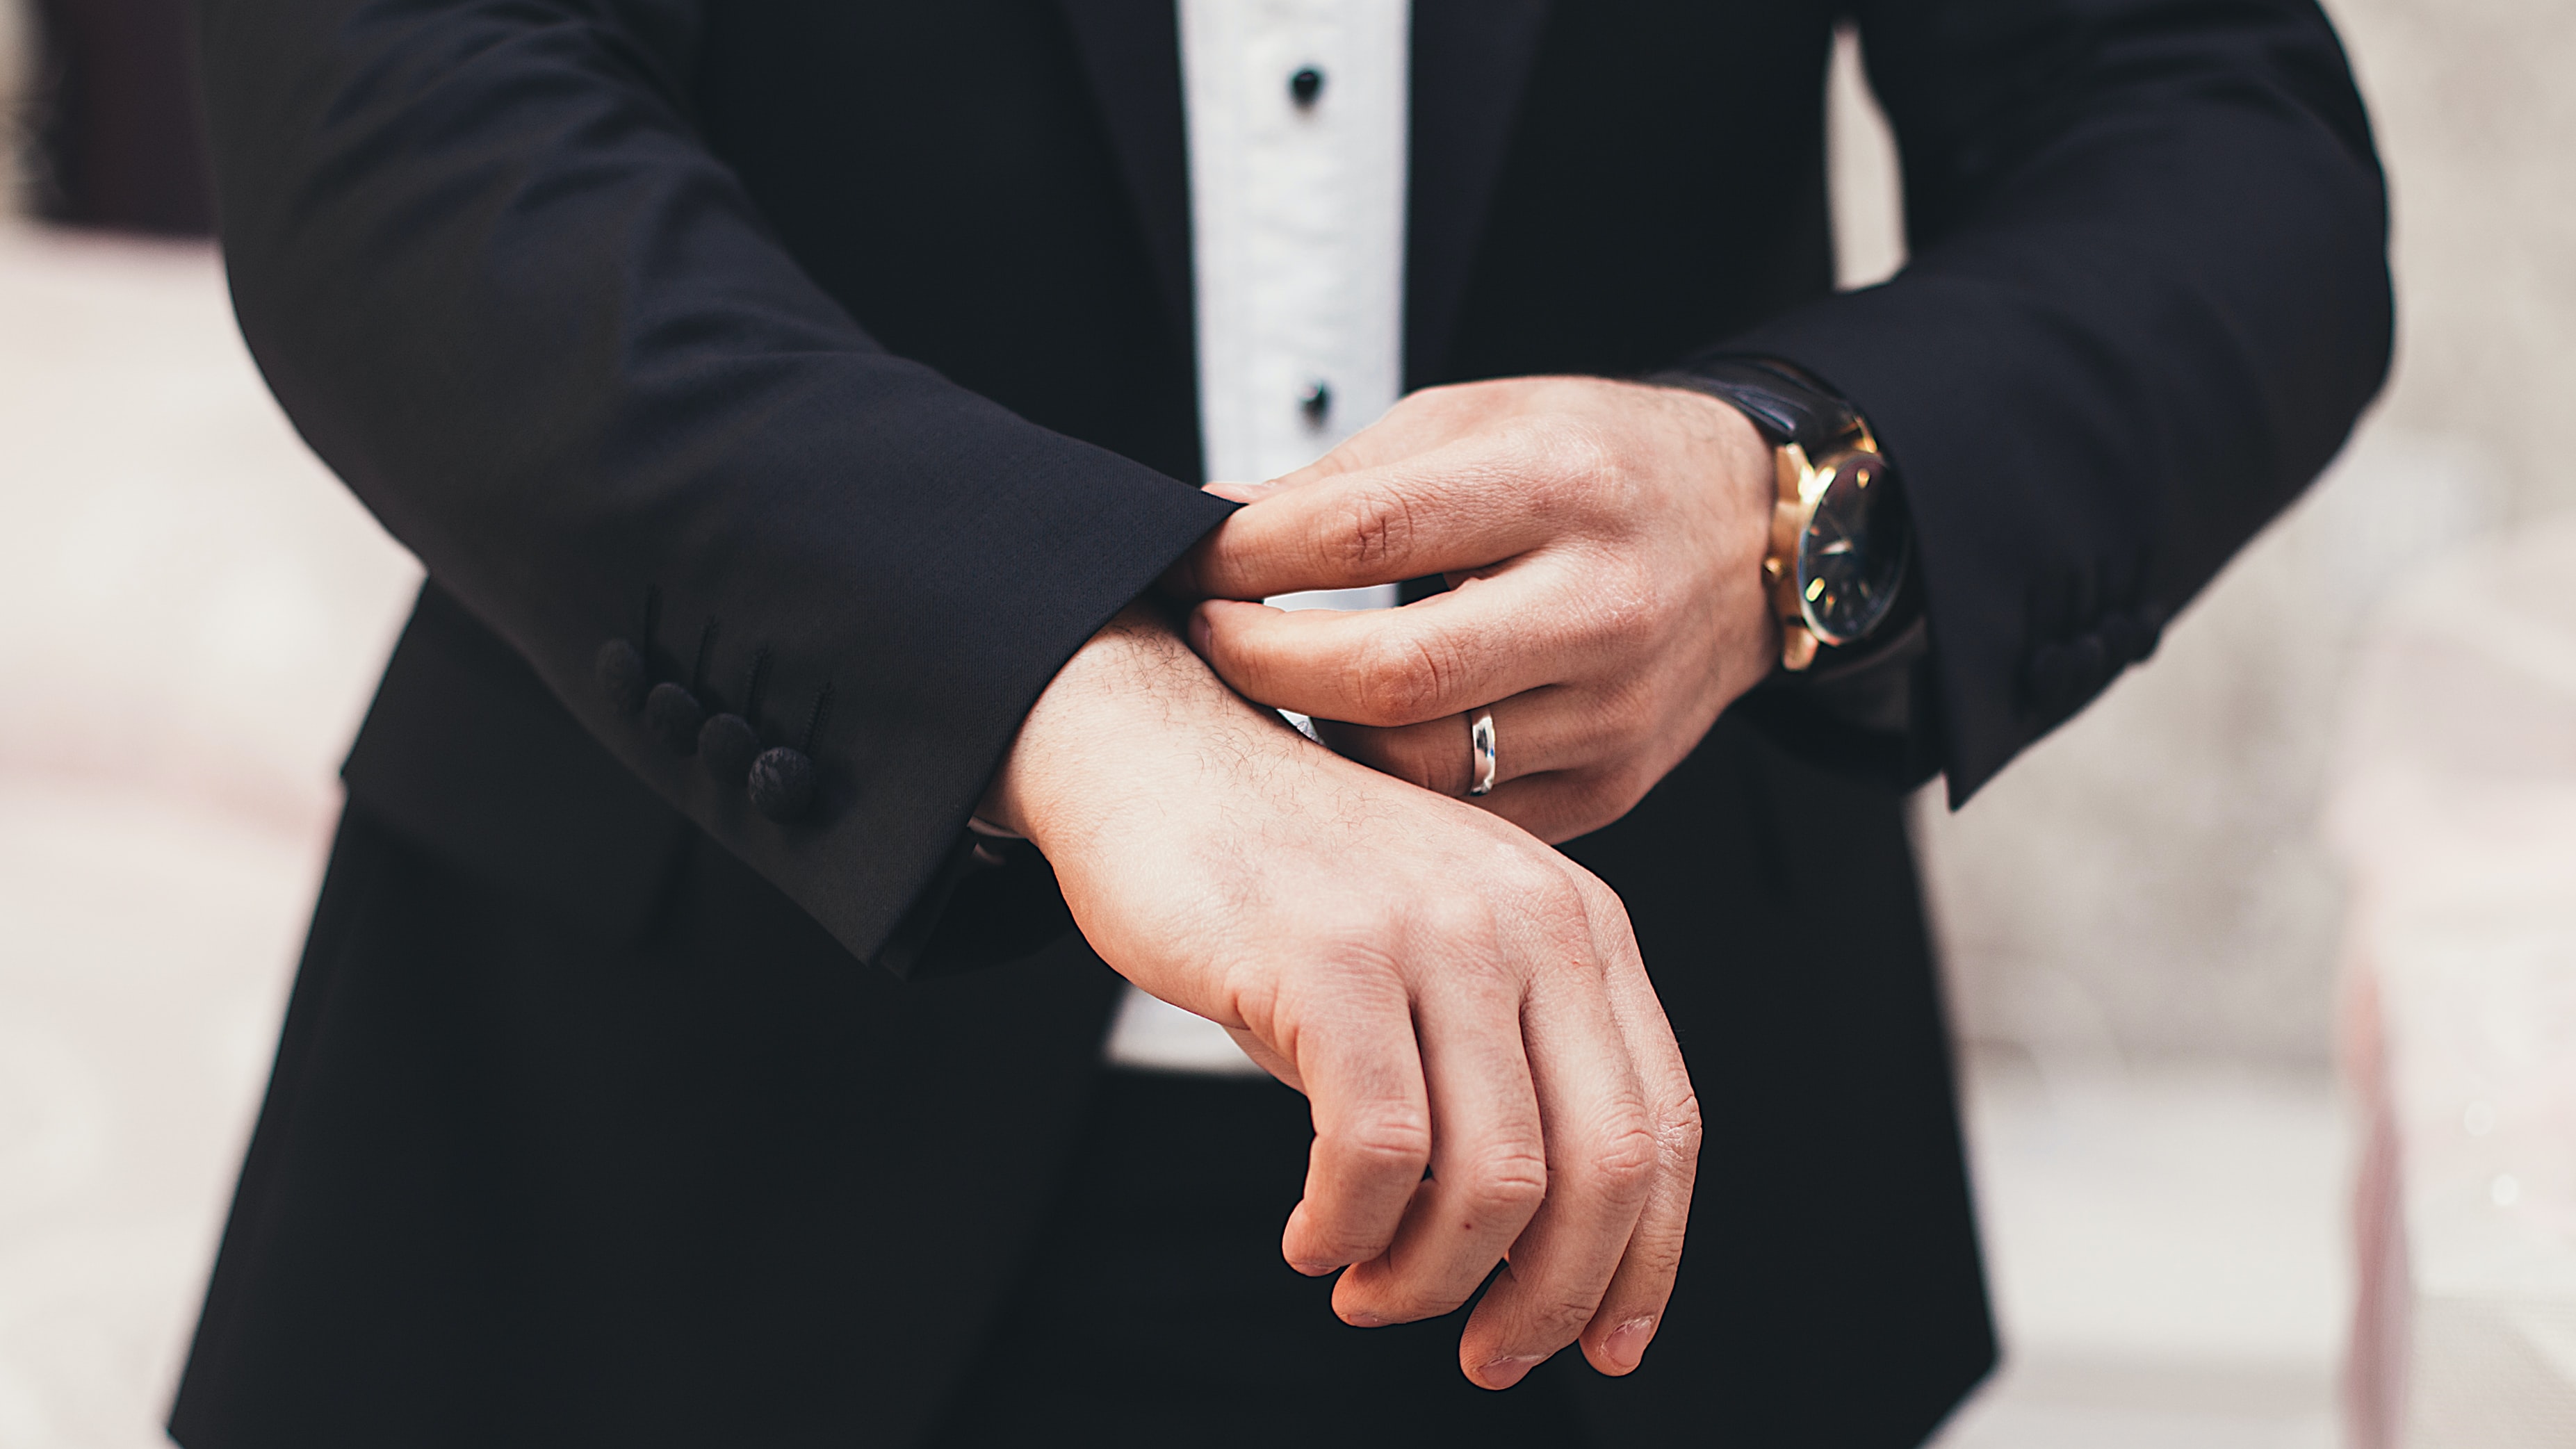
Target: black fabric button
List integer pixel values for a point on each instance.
(620, 672)
(782, 783)
(727, 744)
(674, 714)
(1305, 85)
(1316, 401)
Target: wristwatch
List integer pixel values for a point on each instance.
(1840, 535)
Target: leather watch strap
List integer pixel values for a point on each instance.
(1782, 407)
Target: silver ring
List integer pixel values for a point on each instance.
(1480, 747)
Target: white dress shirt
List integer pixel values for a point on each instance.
(1297, 135)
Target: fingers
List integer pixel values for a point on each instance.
(1363, 1080)
(1633, 1306)
(1489, 639)
(1488, 1156)
(1556, 727)
(1417, 424)
(1602, 1164)
(1559, 806)
(1561, 769)
(1466, 504)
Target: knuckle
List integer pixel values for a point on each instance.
(1601, 903)
(1634, 604)
(1544, 899)
(1526, 876)
(1401, 677)
(1573, 450)
(1392, 1142)
(1558, 902)
(1630, 1157)
(1560, 1319)
(1460, 929)
(1378, 527)
(1678, 1131)
(1508, 1181)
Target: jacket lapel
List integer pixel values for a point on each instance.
(1131, 50)
(1471, 60)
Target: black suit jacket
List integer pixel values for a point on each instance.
(857, 334)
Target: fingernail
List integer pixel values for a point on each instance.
(1199, 631)
(1362, 1318)
(1508, 1370)
(1626, 1345)
(1314, 1270)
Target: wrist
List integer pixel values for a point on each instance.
(1732, 473)
(1841, 536)
(1744, 482)
(1133, 709)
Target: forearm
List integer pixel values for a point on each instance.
(502, 286)
(2148, 299)
(1465, 1009)
(1134, 716)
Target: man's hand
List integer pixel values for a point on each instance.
(1603, 542)
(1448, 992)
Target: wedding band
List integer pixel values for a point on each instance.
(1480, 746)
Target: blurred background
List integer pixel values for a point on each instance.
(2263, 969)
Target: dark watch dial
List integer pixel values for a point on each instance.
(1851, 559)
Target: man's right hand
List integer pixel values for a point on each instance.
(1448, 992)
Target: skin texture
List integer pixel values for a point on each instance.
(1449, 992)
(1603, 543)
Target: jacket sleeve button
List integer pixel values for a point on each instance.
(727, 744)
(674, 714)
(620, 672)
(782, 783)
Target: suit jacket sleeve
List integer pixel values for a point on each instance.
(504, 290)
(2148, 297)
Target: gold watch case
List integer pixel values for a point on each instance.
(1831, 576)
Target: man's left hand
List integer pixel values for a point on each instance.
(1603, 543)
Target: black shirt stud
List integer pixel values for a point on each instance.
(1305, 85)
(674, 714)
(782, 783)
